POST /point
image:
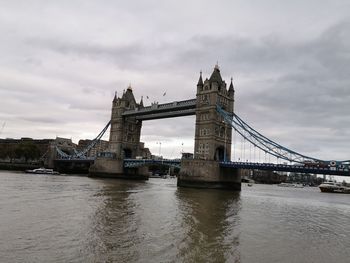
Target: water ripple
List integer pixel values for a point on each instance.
(79, 219)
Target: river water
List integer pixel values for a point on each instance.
(79, 219)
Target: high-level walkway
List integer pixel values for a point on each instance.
(161, 111)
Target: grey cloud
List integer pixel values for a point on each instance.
(67, 66)
(38, 119)
(90, 106)
(309, 85)
(297, 81)
(125, 55)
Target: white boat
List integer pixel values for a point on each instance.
(42, 171)
(333, 187)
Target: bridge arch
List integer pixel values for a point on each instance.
(127, 153)
(219, 154)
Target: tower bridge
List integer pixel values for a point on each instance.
(211, 165)
(212, 135)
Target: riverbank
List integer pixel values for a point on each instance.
(18, 166)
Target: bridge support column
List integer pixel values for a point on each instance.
(208, 174)
(114, 168)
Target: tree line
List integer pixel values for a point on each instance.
(23, 150)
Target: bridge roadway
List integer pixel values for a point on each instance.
(166, 110)
(129, 163)
(287, 168)
(140, 162)
(247, 165)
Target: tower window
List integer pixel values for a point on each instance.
(204, 132)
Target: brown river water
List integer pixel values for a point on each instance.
(46, 218)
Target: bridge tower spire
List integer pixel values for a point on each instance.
(200, 83)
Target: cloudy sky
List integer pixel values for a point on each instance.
(62, 61)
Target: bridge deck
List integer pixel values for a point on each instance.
(239, 165)
(287, 168)
(76, 160)
(141, 162)
(247, 165)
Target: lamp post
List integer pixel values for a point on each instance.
(160, 147)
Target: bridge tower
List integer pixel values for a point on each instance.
(212, 134)
(124, 138)
(212, 137)
(124, 141)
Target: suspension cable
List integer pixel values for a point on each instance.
(82, 154)
(234, 144)
(263, 143)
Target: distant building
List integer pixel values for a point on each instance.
(12, 149)
(145, 152)
(100, 146)
(65, 142)
(267, 177)
(309, 179)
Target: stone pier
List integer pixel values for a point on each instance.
(208, 174)
(113, 168)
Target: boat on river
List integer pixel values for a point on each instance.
(42, 171)
(290, 185)
(333, 187)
